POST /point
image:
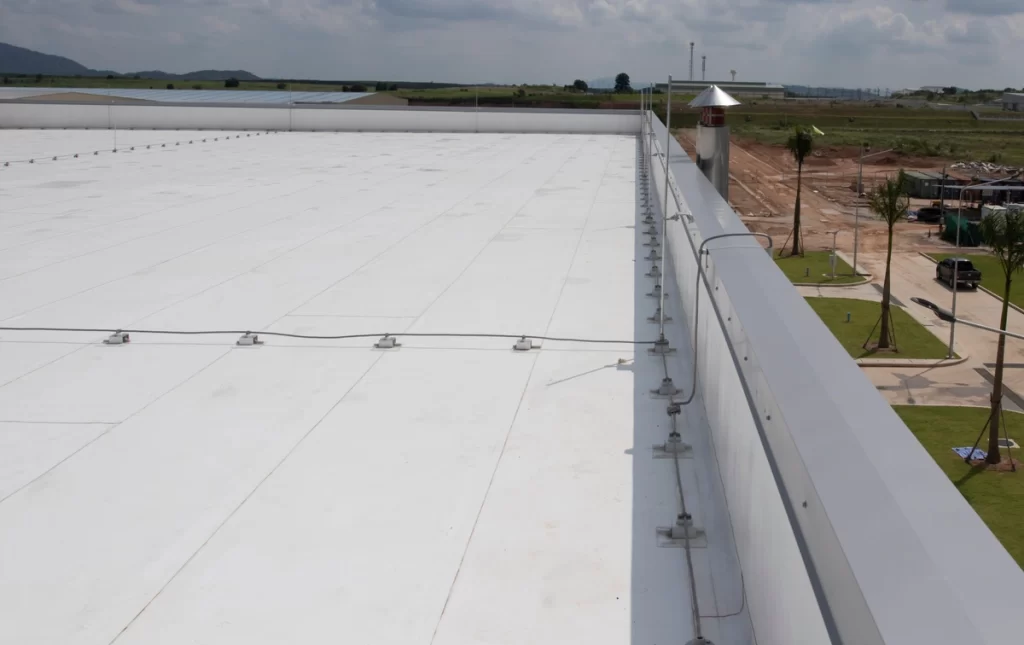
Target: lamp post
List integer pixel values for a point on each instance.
(832, 260)
(856, 204)
(956, 261)
(948, 316)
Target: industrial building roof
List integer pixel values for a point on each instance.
(183, 489)
(189, 95)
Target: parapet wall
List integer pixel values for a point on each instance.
(314, 118)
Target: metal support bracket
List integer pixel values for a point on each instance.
(656, 318)
(117, 338)
(673, 447)
(387, 342)
(525, 344)
(661, 348)
(683, 530)
(654, 243)
(656, 293)
(248, 339)
(667, 389)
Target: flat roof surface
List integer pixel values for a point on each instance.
(181, 489)
(185, 95)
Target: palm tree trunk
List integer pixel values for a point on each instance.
(883, 340)
(796, 211)
(997, 384)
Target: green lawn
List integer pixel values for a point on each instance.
(997, 497)
(912, 338)
(953, 135)
(813, 268)
(992, 276)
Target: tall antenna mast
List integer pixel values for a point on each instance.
(691, 61)
(703, 67)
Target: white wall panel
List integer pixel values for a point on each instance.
(314, 118)
(782, 605)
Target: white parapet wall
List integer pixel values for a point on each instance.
(847, 530)
(315, 118)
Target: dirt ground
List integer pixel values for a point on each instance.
(763, 190)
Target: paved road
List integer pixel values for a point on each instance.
(966, 384)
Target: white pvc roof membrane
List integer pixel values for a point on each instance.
(183, 95)
(187, 490)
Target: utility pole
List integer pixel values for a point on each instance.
(703, 67)
(691, 61)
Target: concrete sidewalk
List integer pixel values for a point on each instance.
(968, 383)
(925, 382)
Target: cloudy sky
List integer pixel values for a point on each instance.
(852, 43)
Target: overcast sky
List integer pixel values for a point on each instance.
(852, 43)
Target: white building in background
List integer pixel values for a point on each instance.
(1013, 102)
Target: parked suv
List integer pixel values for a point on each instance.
(966, 274)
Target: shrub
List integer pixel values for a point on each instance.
(358, 87)
(231, 82)
(197, 87)
(282, 86)
(170, 86)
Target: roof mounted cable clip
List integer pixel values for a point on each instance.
(248, 339)
(524, 344)
(657, 317)
(656, 292)
(667, 388)
(683, 533)
(117, 338)
(673, 447)
(387, 342)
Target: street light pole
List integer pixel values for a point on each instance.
(834, 261)
(856, 204)
(947, 316)
(856, 209)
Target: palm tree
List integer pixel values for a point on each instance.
(1004, 232)
(890, 202)
(800, 144)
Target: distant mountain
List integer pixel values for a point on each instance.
(18, 60)
(601, 83)
(202, 75)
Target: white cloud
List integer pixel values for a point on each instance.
(817, 42)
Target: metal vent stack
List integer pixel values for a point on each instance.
(713, 137)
